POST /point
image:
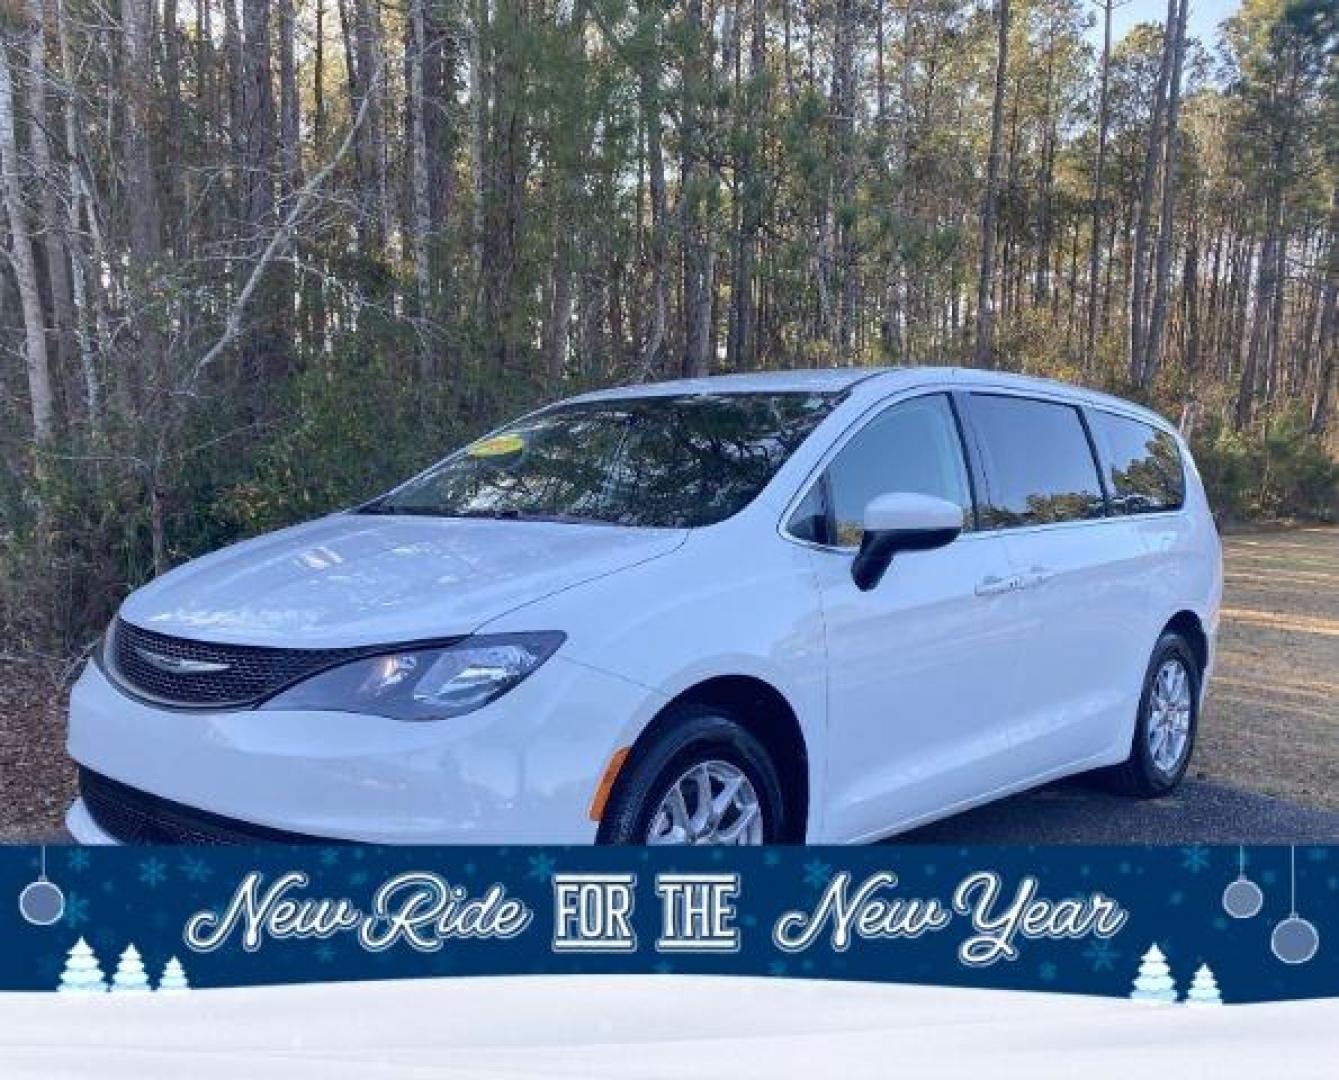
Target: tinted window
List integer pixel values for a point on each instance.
(913, 447)
(1039, 464)
(1144, 471)
(674, 461)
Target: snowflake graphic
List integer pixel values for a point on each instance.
(541, 867)
(358, 879)
(663, 968)
(77, 860)
(776, 967)
(153, 872)
(1102, 955)
(194, 868)
(1047, 972)
(816, 873)
(329, 856)
(771, 858)
(1194, 859)
(325, 953)
(76, 911)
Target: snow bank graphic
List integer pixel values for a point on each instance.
(83, 974)
(653, 1027)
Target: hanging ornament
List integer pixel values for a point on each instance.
(41, 902)
(1242, 899)
(1295, 940)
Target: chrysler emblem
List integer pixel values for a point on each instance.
(176, 665)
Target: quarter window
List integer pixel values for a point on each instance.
(1039, 464)
(1143, 465)
(912, 447)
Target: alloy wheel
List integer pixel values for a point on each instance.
(1170, 708)
(714, 802)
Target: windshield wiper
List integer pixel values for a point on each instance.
(494, 515)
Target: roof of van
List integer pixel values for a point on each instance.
(836, 380)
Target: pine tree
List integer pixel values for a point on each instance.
(173, 979)
(82, 975)
(1155, 981)
(130, 977)
(1204, 989)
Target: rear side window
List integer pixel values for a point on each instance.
(1143, 464)
(913, 447)
(1038, 462)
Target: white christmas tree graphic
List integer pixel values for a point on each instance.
(174, 978)
(1155, 981)
(130, 977)
(1204, 988)
(82, 975)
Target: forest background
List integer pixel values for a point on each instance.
(262, 258)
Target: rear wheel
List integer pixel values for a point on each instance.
(703, 780)
(1164, 736)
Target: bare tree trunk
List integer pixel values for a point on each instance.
(843, 110)
(25, 267)
(421, 215)
(1162, 279)
(479, 108)
(48, 184)
(1148, 182)
(85, 316)
(141, 194)
(1099, 184)
(985, 305)
(695, 198)
(653, 349)
(1329, 325)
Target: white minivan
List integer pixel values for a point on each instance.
(802, 606)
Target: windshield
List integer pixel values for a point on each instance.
(672, 462)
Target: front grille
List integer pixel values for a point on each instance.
(136, 817)
(209, 675)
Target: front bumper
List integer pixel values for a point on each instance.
(521, 770)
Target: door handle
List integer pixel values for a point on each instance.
(994, 585)
(1038, 575)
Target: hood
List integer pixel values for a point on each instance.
(355, 579)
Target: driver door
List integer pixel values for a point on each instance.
(921, 668)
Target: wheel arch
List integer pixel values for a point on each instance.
(1189, 626)
(768, 716)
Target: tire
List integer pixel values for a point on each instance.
(1143, 774)
(689, 736)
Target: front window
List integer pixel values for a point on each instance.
(674, 461)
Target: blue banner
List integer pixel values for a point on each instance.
(1239, 925)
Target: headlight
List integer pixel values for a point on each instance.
(424, 684)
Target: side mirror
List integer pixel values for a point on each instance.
(901, 521)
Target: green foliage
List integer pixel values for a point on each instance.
(1275, 470)
(357, 423)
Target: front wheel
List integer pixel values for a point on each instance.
(1164, 735)
(703, 780)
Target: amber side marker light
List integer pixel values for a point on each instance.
(606, 784)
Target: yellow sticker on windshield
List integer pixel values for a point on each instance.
(497, 446)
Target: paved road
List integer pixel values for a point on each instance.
(1080, 812)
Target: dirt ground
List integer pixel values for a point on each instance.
(1271, 726)
(1272, 722)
